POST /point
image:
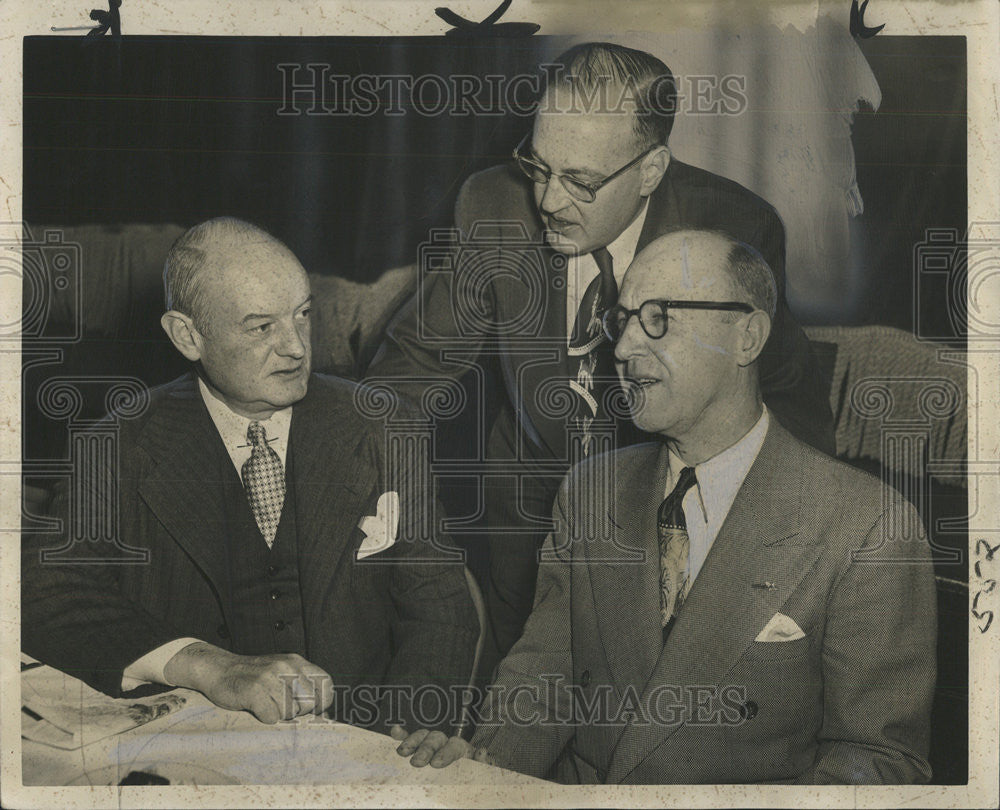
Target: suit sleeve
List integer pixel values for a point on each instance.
(428, 322)
(73, 616)
(878, 661)
(434, 625)
(526, 717)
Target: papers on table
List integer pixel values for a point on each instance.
(66, 713)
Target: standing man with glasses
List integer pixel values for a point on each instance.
(545, 242)
(751, 610)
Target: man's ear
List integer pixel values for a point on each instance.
(182, 333)
(653, 168)
(756, 330)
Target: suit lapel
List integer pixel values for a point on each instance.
(626, 594)
(186, 488)
(330, 481)
(756, 562)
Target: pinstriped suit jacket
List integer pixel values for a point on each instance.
(847, 703)
(365, 623)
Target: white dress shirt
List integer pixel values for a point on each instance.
(708, 502)
(232, 429)
(583, 269)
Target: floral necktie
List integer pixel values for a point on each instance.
(590, 344)
(674, 545)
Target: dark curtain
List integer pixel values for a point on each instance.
(180, 129)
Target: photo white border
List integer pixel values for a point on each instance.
(978, 20)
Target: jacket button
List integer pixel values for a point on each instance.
(272, 570)
(585, 678)
(279, 625)
(748, 711)
(275, 595)
(223, 631)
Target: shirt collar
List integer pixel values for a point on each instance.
(720, 477)
(233, 428)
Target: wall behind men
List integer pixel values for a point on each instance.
(179, 129)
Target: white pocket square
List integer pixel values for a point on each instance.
(780, 628)
(380, 529)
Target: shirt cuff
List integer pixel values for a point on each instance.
(149, 668)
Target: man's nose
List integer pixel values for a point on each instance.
(294, 340)
(555, 197)
(632, 341)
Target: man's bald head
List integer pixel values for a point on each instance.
(735, 269)
(239, 308)
(208, 245)
(691, 370)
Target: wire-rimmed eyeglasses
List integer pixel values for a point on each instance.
(582, 190)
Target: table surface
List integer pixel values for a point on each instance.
(203, 744)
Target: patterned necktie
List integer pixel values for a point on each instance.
(674, 545)
(264, 481)
(590, 344)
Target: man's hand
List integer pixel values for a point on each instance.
(435, 748)
(271, 687)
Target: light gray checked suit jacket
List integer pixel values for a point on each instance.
(591, 694)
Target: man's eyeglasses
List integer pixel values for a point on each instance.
(653, 315)
(582, 190)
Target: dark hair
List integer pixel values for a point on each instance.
(752, 275)
(648, 81)
(192, 252)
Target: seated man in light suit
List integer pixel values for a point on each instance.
(746, 609)
(280, 578)
(592, 184)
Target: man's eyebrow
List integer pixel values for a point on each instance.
(584, 172)
(571, 170)
(253, 316)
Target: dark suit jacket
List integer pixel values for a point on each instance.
(406, 623)
(847, 703)
(506, 290)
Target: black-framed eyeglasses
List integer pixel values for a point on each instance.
(653, 315)
(582, 190)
